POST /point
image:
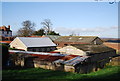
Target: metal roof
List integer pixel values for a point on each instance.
(75, 61)
(36, 41)
(37, 53)
(54, 57)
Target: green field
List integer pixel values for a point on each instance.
(110, 72)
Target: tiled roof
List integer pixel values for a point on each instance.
(4, 28)
(5, 41)
(82, 39)
(52, 37)
(34, 36)
(93, 48)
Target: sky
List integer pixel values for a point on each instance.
(80, 18)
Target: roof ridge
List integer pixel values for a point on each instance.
(33, 37)
(78, 36)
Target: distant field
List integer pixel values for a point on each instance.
(113, 45)
(114, 40)
(110, 72)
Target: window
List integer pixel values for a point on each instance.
(65, 44)
(2, 32)
(95, 42)
(6, 38)
(42, 49)
(33, 49)
(37, 49)
(7, 32)
(48, 49)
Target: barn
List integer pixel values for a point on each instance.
(94, 58)
(35, 44)
(68, 40)
(97, 52)
(98, 56)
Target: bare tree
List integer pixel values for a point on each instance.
(27, 29)
(47, 25)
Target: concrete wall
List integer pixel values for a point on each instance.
(47, 65)
(71, 50)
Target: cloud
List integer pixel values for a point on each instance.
(114, 27)
(95, 31)
(77, 30)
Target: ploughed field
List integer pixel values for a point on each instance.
(109, 72)
(115, 46)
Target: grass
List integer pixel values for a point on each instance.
(110, 72)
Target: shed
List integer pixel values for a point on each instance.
(33, 44)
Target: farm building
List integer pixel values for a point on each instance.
(99, 52)
(33, 44)
(91, 61)
(53, 61)
(67, 40)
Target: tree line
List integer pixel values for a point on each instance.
(28, 29)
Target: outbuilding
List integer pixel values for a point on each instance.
(97, 52)
(33, 44)
(68, 40)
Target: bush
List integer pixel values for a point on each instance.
(5, 54)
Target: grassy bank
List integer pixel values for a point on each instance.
(110, 72)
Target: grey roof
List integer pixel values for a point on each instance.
(93, 48)
(75, 61)
(72, 62)
(36, 41)
(82, 39)
(53, 37)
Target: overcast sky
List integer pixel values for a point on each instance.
(81, 18)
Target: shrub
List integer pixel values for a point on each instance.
(5, 54)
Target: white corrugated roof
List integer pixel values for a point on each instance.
(38, 53)
(36, 41)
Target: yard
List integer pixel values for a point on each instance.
(109, 72)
